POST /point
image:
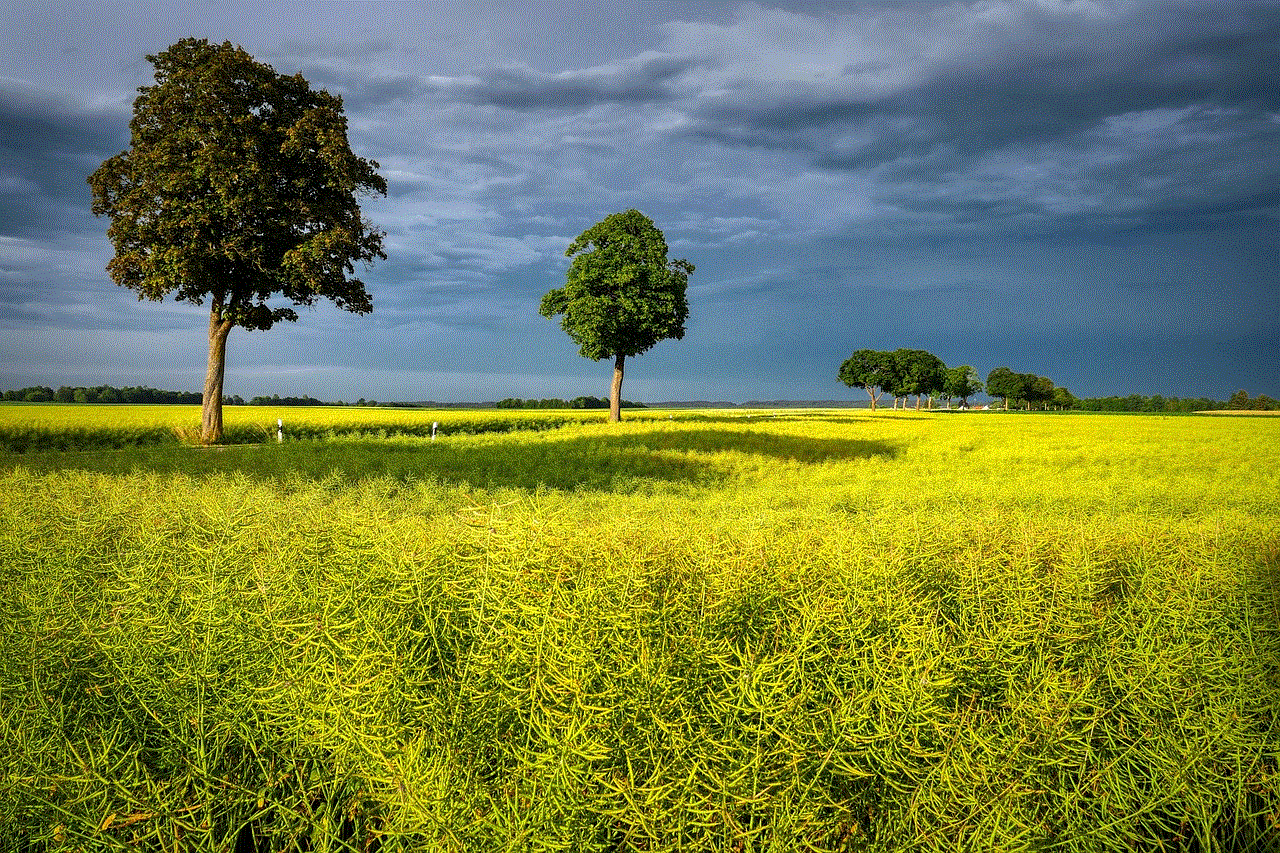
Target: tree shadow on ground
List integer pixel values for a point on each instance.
(621, 462)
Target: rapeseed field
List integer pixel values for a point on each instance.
(691, 631)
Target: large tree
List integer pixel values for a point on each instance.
(239, 185)
(1037, 389)
(922, 373)
(622, 295)
(874, 371)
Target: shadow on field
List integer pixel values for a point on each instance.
(1267, 582)
(608, 463)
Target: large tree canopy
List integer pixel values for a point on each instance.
(622, 295)
(873, 371)
(920, 372)
(239, 185)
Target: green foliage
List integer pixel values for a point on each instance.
(277, 400)
(873, 371)
(1003, 383)
(1140, 403)
(583, 402)
(918, 372)
(129, 394)
(238, 185)
(622, 295)
(1262, 403)
(898, 373)
(817, 632)
(961, 383)
(1027, 389)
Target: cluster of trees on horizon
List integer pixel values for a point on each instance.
(1239, 401)
(903, 373)
(1027, 389)
(101, 394)
(587, 402)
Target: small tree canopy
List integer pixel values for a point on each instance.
(962, 382)
(622, 295)
(1003, 383)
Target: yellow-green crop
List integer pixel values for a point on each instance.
(820, 631)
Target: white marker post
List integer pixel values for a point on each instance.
(279, 430)
(434, 426)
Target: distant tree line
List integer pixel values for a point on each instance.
(1154, 403)
(1262, 403)
(1020, 390)
(277, 400)
(556, 403)
(100, 394)
(154, 396)
(905, 373)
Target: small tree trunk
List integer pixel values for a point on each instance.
(615, 391)
(211, 407)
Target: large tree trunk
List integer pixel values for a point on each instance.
(615, 391)
(211, 408)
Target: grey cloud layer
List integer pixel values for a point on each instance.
(924, 115)
(835, 170)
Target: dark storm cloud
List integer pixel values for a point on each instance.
(645, 78)
(1077, 97)
(49, 145)
(364, 92)
(1014, 181)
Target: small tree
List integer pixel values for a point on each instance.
(239, 185)
(622, 295)
(1003, 383)
(1064, 399)
(962, 382)
(873, 371)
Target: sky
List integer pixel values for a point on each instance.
(1087, 191)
